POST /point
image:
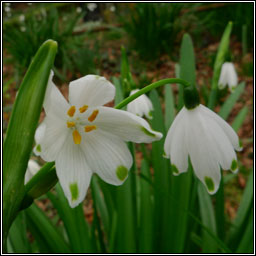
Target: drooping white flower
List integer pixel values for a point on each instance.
(84, 137)
(140, 106)
(228, 76)
(205, 138)
(32, 169)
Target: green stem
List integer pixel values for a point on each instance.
(151, 87)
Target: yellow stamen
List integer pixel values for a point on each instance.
(93, 115)
(83, 108)
(77, 137)
(71, 111)
(71, 124)
(89, 128)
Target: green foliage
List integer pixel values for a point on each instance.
(152, 28)
(21, 129)
(23, 39)
(214, 19)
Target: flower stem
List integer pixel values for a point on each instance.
(151, 87)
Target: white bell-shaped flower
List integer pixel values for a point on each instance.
(32, 169)
(140, 106)
(228, 76)
(84, 137)
(205, 138)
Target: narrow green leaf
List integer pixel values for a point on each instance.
(238, 225)
(162, 232)
(18, 235)
(220, 58)
(21, 129)
(208, 219)
(169, 106)
(125, 241)
(238, 122)
(44, 226)
(187, 65)
(146, 212)
(230, 102)
(119, 91)
(246, 244)
(101, 207)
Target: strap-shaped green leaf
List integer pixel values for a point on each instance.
(187, 65)
(220, 58)
(230, 102)
(21, 130)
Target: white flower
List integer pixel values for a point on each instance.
(140, 106)
(228, 76)
(32, 169)
(84, 137)
(207, 139)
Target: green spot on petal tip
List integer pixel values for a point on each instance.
(38, 148)
(233, 165)
(174, 169)
(209, 183)
(121, 172)
(74, 191)
(147, 132)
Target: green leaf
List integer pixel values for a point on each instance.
(208, 219)
(162, 232)
(22, 126)
(42, 181)
(220, 58)
(169, 106)
(125, 240)
(119, 92)
(146, 234)
(238, 122)
(187, 65)
(47, 230)
(247, 239)
(230, 102)
(18, 235)
(240, 222)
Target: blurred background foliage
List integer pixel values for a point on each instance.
(90, 36)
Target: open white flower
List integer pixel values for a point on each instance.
(228, 76)
(84, 137)
(207, 139)
(140, 106)
(32, 169)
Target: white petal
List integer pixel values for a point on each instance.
(228, 130)
(91, 90)
(125, 125)
(73, 172)
(107, 155)
(222, 149)
(172, 130)
(140, 106)
(39, 136)
(201, 153)
(54, 102)
(179, 149)
(56, 133)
